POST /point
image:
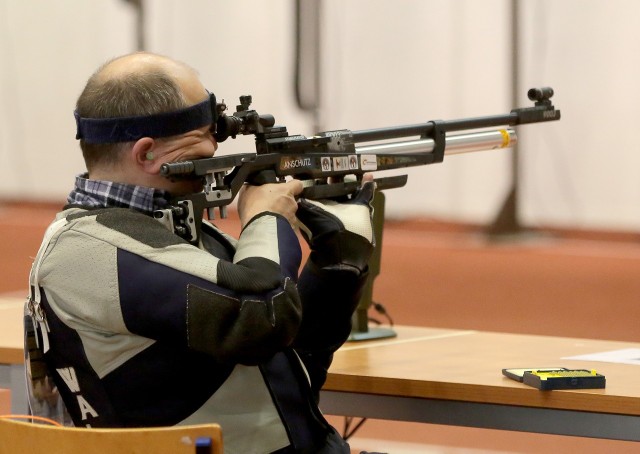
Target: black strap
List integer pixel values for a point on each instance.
(128, 129)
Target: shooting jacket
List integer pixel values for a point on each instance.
(146, 329)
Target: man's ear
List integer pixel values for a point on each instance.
(143, 155)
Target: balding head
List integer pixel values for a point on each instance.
(133, 85)
(141, 63)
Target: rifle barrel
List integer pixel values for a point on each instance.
(425, 129)
(455, 144)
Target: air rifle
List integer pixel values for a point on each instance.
(324, 160)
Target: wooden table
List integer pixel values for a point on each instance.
(12, 353)
(455, 377)
(5, 401)
(11, 331)
(441, 376)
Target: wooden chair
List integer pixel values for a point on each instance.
(20, 437)
(5, 400)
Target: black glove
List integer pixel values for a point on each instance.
(340, 234)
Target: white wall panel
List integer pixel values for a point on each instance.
(385, 63)
(584, 171)
(47, 51)
(407, 62)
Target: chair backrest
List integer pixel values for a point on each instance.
(20, 437)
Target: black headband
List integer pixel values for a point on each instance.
(129, 129)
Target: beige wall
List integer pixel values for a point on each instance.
(386, 63)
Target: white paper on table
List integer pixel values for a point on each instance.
(624, 356)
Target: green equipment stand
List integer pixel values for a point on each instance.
(360, 329)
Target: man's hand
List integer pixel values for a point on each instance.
(340, 234)
(276, 198)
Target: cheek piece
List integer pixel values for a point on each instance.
(130, 129)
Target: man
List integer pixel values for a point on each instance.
(141, 328)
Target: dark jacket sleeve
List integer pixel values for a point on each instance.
(329, 297)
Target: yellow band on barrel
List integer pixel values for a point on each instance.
(506, 138)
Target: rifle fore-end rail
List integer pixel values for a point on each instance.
(326, 161)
